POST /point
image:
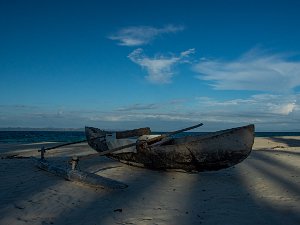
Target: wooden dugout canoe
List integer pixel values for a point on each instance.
(214, 151)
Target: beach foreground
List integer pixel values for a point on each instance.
(263, 189)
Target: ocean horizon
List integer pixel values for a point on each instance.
(7, 137)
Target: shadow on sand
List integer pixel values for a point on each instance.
(249, 193)
(290, 142)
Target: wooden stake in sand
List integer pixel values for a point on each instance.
(42, 152)
(74, 162)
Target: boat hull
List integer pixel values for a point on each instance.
(215, 151)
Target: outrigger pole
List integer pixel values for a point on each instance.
(73, 174)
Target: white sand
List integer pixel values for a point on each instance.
(264, 189)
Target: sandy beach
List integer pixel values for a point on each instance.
(263, 189)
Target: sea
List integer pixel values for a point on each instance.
(7, 137)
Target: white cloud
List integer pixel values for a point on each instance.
(137, 107)
(141, 35)
(234, 102)
(144, 117)
(268, 112)
(252, 71)
(159, 68)
(187, 52)
(284, 109)
(263, 108)
(258, 105)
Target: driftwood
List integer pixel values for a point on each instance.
(75, 175)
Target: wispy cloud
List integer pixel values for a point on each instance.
(252, 71)
(138, 107)
(18, 107)
(141, 35)
(159, 68)
(138, 116)
(267, 111)
(262, 104)
(264, 110)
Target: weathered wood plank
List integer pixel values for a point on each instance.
(133, 133)
(83, 177)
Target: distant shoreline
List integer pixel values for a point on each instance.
(36, 136)
(82, 130)
(39, 129)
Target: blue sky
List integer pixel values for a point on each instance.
(163, 64)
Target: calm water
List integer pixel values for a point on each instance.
(71, 136)
(40, 136)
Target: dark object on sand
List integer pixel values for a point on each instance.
(214, 151)
(79, 176)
